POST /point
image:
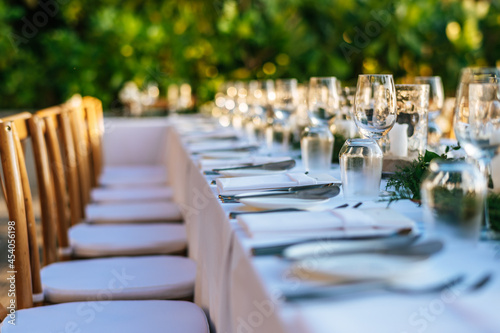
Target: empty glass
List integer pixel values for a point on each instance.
(323, 99)
(316, 146)
(477, 119)
(283, 103)
(360, 169)
(375, 106)
(343, 123)
(453, 195)
(408, 136)
(436, 102)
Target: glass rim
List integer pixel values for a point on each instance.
(360, 140)
(437, 162)
(428, 77)
(323, 78)
(375, 75)
(413, 85)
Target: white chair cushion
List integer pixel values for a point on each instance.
(106, 240)
(119, 278)
(133, 212)
(111, 317)
(143, 193)
(133, 175)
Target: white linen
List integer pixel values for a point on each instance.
(104, 240)
(119, 278)
(245, 184)
(110, 317)
(133, 212)
(125, 176)
(341, 222)
(139, 193)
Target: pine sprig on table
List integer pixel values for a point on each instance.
(494, 210)
(406, 180)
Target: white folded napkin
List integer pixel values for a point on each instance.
(209, 163)
(237, 185)
(338, 222)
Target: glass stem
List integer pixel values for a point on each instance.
(483, 167)
(286, 137)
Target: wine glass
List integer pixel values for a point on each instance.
(323, 99)
(283, 105)
(375, 106)
(316, 140)
(477, 118)
(436, 101)
(258, 101)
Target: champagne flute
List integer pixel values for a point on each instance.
(477, 119)
(436, 102)
(375, 106)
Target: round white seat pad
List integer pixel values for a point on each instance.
(111, 317)
(101, 240)
(139, 193)
(133, 212)
(119, 278)
(133, 175)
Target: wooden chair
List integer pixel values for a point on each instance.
(122, 176)
(120, 278)
(156, 210)
(88, 240)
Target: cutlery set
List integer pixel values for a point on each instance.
(400, 243)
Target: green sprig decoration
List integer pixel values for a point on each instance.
(494, 210)
(406, 180)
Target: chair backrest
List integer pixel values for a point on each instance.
(78, 129)
(95, 128)
(61, 150)
(13, 130)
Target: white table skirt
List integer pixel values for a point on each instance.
(239, 292)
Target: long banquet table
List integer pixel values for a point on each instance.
(241, 293)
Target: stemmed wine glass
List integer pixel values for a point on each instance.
(477, 118)
(375, 106)
(323, 99)
(436, 101)
(316, 140)
(284, 104)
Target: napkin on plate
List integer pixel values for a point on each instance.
(338, 222)
(237, 185)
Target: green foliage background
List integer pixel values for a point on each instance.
(94, 46)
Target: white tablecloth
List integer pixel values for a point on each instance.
(240, 292)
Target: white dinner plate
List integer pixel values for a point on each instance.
(249, 172)
(279, 203)
(356, 267)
